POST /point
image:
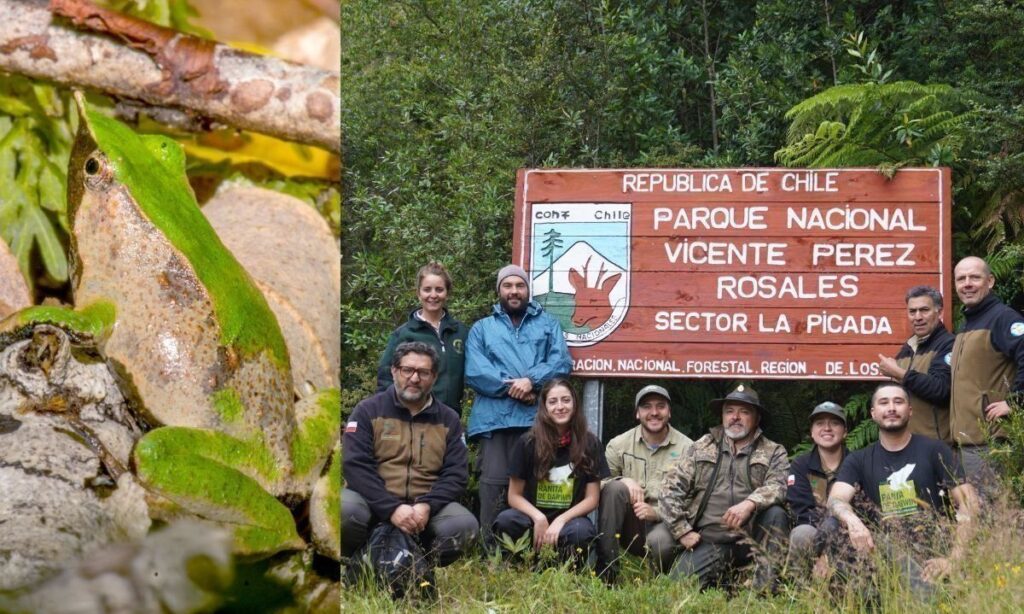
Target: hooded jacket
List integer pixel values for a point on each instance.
(497, 351)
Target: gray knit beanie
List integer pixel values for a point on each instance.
(511, 270)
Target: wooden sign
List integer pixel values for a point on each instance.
(732, 273)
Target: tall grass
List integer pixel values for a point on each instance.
(989, 579)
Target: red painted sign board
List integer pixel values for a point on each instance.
(732, 273)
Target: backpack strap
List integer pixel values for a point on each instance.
(711, 484)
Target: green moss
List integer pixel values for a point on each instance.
(228, 404)
(152, 170)
(317, 433)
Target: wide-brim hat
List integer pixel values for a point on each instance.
(742, 394)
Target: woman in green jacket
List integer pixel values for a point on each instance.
(432, 324)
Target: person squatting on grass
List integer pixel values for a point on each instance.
(905, 476)
(510, 354)
(811, 479)
(730, 486)
(555, 473)
(406, 462)
(638, 461)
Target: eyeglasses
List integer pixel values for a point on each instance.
(410, 371)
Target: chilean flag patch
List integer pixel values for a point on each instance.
(351, 427)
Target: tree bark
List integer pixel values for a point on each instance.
(130, 58)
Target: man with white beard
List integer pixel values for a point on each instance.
(729, 486)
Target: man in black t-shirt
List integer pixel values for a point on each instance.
(906, 476)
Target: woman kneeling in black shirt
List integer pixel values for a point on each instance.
(555, 477)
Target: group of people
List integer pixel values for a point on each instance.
(705, 508)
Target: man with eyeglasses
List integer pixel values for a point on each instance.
(638, 460)
(406, 462)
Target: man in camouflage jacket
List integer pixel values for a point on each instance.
(727, 490)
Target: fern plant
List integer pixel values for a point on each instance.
(876, 124)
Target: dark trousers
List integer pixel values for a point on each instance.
(711, 563)
(573, 542)
(446, 536)
(492, 462)
(618, 525)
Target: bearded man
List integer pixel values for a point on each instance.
(728, 490)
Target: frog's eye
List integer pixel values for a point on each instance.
(92, 166)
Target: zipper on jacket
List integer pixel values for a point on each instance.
(408, 466)
(422, 435)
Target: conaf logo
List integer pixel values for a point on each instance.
(580, 267)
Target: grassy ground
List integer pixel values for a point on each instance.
(990, 579)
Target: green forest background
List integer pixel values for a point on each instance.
(443, 101)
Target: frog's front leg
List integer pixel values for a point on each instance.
(217, 477)
(90, 324)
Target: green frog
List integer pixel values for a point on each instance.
(194, 344)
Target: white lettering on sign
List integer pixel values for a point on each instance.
(725, 252)
(783, 367)
(825, 323)
(863, 254)
(852, 218)
(788, 286)
(810, 181)
(712, 218)
(719, 367)
(698, 322)
(676, 182)
(592, 364)
(647, 364)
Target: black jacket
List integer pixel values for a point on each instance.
(807, 488)
(928, 382)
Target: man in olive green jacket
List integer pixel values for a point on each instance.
(729, 486)
(638, 460)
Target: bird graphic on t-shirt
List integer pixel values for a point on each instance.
(558, 475)
(898, 479)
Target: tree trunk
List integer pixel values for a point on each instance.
(130, 58)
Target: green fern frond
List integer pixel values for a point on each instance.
(890, 124)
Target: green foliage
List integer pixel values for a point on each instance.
(36, 130)
(858, 413)
(1008, 453)
(37, 126)
(875, 124)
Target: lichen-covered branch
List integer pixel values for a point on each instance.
(81, 45)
